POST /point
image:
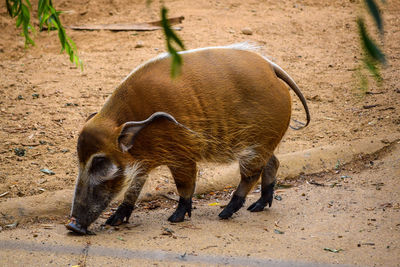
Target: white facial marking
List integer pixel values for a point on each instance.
(111, 174)
(97, 179)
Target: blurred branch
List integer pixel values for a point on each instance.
(172, 39)
(373, 57)
(20, 9)
(48, 17)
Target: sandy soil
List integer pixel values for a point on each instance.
(45, 99)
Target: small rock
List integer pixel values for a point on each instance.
(11, 226)
(47, 171)
(316, 98)
(42, 181)
(247, 31)
(276, 231)
(71, 105)
(41, 190)
(20, 152)
(139, 44)
(167, 231)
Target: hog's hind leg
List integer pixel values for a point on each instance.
(268, 179)
(249, 177)
(185, 181)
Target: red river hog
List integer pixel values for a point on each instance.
(228, 103)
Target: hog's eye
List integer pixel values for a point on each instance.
(100, 165)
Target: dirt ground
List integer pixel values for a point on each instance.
(45, 100)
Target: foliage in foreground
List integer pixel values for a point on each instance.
(48, 18)
(171, 38)
(373, 57)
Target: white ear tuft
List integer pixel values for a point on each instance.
(124, 148)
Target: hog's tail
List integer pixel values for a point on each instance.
(287, 79)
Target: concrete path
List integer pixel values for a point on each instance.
(211, 178)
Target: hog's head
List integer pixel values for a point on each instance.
(101, 172)
(105, 166)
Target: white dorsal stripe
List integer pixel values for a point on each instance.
(239, 46)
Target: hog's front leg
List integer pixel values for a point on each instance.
(124, 210)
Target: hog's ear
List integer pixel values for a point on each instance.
(91, 116)
(130, 129)
(127, 136)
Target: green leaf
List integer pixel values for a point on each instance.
(171, 38)
(369, 45)
(41, 7)
(9, 8)
(24, 18)
(13, 9)
(29, 4)
(25, 14)
(333, 250)
(19, 20)
(373, 69)
(375, 12)
(44, 20)
(61, 36)
(72, 43)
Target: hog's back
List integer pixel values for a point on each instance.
(231, 98)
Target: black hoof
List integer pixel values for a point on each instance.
(234, 205)
(225, 214)
(256, 206)
(184, 206)
(77, 228)
(121, 216)
(266, 198)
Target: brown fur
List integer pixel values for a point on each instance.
(242, 106)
